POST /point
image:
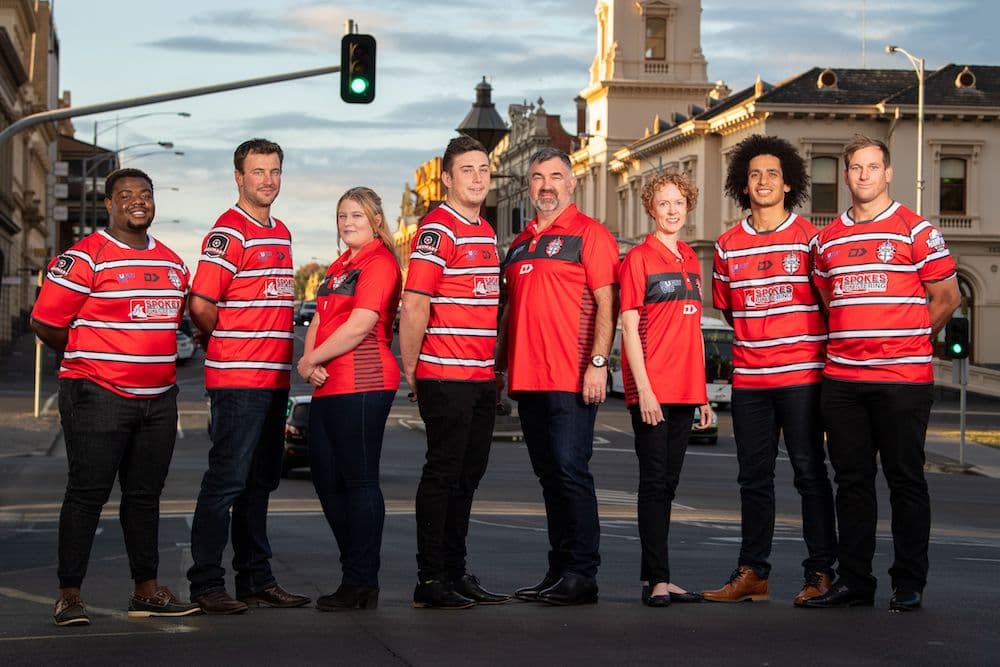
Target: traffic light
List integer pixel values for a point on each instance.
(357, 68)
(956, 338)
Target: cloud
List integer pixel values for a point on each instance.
(212, 45)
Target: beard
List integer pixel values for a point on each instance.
(138, 227)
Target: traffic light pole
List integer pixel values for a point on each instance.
(72, 112)
(960, 376)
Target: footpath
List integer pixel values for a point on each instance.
(22, 434)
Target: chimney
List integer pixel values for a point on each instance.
(581, 116)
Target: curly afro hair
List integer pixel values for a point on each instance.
(793, 169)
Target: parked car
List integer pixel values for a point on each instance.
(185, 348)
(296, 429)
(304, 315)
(704, 436)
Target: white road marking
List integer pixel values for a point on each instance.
(980, 560)
(48, 403)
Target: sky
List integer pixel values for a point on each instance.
(430, 57)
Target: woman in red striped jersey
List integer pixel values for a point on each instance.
(663, 369)
(348, 361)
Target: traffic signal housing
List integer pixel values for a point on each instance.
(956, 338)
(357, 68)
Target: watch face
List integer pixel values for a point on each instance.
(599, 360)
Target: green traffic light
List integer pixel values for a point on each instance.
(956, 348)
(359, 85)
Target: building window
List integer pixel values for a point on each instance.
(952, 193)
(824, 184)
(656, 38)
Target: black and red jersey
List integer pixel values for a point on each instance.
(122, 307)
(368, 279)
(246, 270)
(454, 262)
(765, 280)
(551, 277)
(666, 290)
(875, 272)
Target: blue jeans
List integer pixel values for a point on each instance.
(345, 445)
(108, 435)
(244, 467)
(865, 419)
(559, 432)
(760, 417)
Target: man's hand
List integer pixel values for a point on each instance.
(595, 384)
(411, 382)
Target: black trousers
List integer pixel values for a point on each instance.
(864, 419)
(660, 450)
(459, 418)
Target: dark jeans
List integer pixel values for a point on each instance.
(660, 450)
(760, 417)
(244, 467)
(108, 435)
(459, 418)
(864, 419)
(345, 445)
(559, 432)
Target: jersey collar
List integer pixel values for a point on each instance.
(270, 218)
(564, 220)
(458, 216)
(749, 228)
(150, 243)
(848, 220)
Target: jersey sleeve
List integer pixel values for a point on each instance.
(930, 254)
(721, 294)
(820, 269)
(67, 286)
(633, 281)
(600, 257)
(376, 287)
(221, 256)
(433, 248)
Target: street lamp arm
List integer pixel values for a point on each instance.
(70, 112)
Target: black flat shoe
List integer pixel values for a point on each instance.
(656, 600)
(530, 593)
(840, 596)
(686, 597)
(905, 600)
(349, 597)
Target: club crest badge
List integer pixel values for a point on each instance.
(554, 246)
(337, 282)
(791, 263)
(428, 242)
(886, 251)
(216, 244)
(174, 279)
(61, 267)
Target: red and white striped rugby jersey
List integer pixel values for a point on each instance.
(764, 279)
(246, 270)
(875, 272)
(454, 262)
(122, 307)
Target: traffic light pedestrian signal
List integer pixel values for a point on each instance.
(956, 338)
(357, 68)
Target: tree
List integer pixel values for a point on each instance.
(307, 279)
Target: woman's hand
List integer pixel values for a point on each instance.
(312, 373)
(706, 417)
(649, 407)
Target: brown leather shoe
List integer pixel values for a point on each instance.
(743, 584)
(219, 603)
(275, 596)
(817, 583)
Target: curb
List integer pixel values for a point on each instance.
(504, 431)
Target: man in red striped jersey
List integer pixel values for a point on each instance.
(241, 301)
(889, 284)
(447, 335)
(558, 324)
(761, 283)
(112, 304)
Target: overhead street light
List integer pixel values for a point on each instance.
(918, 66)
(127, 119)
(152, 153)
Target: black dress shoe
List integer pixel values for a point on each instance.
(905, 600)
(435, 594)
(681, 598)
(571, 589)
(349, 597)
(530, 593)
(469, 586)
(840, 595)
(275, 596)
(219, 603)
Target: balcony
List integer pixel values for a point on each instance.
(952, 225)
(822, 219)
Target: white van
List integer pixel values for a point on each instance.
(718, 338)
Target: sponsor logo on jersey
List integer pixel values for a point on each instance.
(739, 266)
(151, 277)
(935, 240)
(690, 309)
(216, 245)
(428, 242)
(857, 252)
(791, 263)
(487, 254)
(515, 251)
(280, 287)
(62, 266)
(154, 309)
(281, 256)
(264, 254)
(860, 283)
(886, 251)
(525, 268)
(761, 297)
(668, 286)
(764, 265)
(174, 279)
(486, 286)
(124, 276)
(554, 246)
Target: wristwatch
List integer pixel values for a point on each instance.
(599, 360)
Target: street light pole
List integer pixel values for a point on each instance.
(918, 65)
(121, 121)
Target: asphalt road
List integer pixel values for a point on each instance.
(507, 549)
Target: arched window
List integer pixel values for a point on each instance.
(824, 184)
(656, 38)
(952, 199)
